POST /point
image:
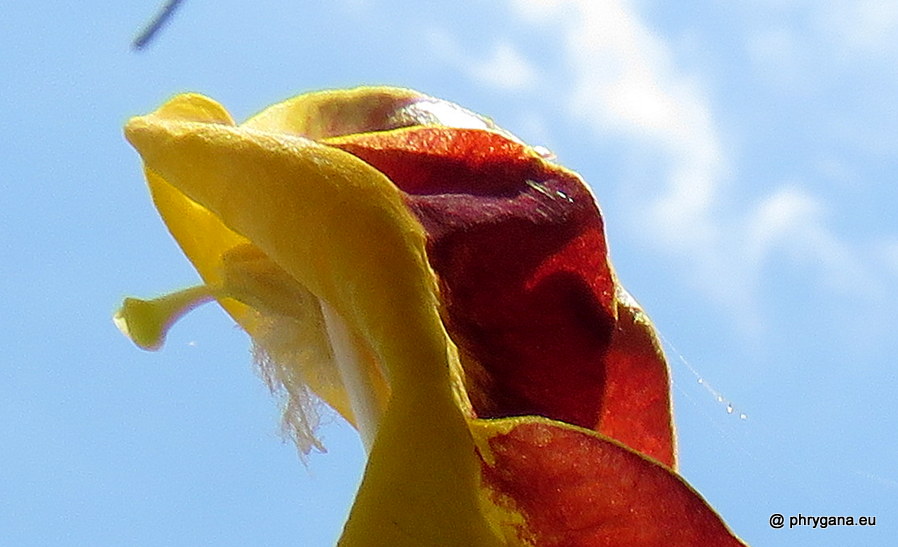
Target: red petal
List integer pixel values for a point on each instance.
(578, 489)
(637, 408)
(529, 295)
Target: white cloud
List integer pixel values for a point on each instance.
(778, 220)
(625, 80)
(793, 222)
(863, 26)
(621, 79)
(503, 68)
(809, 38)
(780, 58)
(538, 11)
(889, 253)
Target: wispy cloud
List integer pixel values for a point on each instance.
(866, 27)
(793, 223)
(779, 58)
(504, 67)
(623, 79)
(889, 254)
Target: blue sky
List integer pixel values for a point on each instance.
(745, 158)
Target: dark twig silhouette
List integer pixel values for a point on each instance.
(149, 32)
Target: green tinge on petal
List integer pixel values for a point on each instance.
(330, 113)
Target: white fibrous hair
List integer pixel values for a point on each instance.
(290, 355)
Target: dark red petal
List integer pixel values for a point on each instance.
(440, 160)
(529, 295)
(576, 489)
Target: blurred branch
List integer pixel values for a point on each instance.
(149, 32)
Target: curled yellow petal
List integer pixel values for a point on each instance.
(336, 225)
(340, 229)
(207, 242)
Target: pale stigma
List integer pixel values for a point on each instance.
(146, 322)
(304, 350)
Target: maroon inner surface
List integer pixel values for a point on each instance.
(528, 292)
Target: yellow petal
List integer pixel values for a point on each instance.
(340, 228)
(332, 222)
(199, 233)
(205, 239)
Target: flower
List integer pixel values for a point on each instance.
(447, 289)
